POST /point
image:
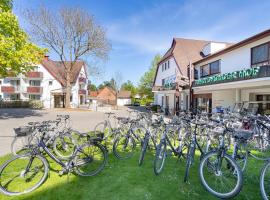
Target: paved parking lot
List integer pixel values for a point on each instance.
(82, 120)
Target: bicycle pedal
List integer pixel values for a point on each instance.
(61, 173)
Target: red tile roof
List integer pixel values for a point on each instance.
(185, 51)
(57, 70)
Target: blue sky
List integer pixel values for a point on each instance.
(139, 29)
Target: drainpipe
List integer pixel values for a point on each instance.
(190, 88)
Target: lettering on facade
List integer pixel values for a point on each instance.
(232, 76)
(169, 82)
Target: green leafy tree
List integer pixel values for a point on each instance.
(17, 53)
(147, 80)
(128, 86)
(92, 87)
(110, 84)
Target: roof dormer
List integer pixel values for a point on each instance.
(213, 47)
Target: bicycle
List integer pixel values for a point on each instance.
(216, 166)
(25, 173)
(161, 150)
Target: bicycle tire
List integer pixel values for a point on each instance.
(231, 166)
(190, 157)
(21, 159)
(143, 150)
(160, 155)
(78, 160)
(262, 180)
(17, 148)
(71, 146)
(128, 140)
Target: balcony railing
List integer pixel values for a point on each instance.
(34, 75)
(81, 91)
(82, 80)
(171, 86)
(8, 89)
(34, 90)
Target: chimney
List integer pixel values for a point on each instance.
(46, 58)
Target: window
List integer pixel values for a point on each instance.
(34, 83)
(260, 54)
(210, 69)
(162, 67)
(163, 82)
(34, 97)
(215, 67)
(168, 64)
(196, 73)
(50, 82)
(81, 87)
(165, 65)
(205, 71)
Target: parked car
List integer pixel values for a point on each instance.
(136, 103)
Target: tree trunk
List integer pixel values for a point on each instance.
(68, 90)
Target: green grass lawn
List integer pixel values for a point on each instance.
(125, 180)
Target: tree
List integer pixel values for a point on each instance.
(117, 82)
(128, 86)
(92, 87)
(72, 34)
(147, 80)
(17, 53)
(109, 84)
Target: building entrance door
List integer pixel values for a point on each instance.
(81, 100)
(59, 101)
(177, 107)
(203, 102)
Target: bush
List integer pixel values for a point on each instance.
(155, 108)
(21, 104)
(36, 104)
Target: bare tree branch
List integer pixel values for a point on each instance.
(71, 33)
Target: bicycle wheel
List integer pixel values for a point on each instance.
(23, 174)
(101, 129)
(265, 181)
(63, 146)
(160, 158)
(241, 155)
(20, 145)
(190, 157)
(220, 175)
(124, 147)
(90, 159)
(143, 150)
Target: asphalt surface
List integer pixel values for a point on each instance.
(82, 120)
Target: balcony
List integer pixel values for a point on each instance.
(81, 91)
(34, 90)
(171, 86)
(37, 75)
(82, 80)
(8, 89)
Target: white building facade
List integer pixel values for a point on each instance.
(46, 85)
(238, 73)
(173, 78)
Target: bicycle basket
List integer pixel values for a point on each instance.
(243, 134)
(23, 131)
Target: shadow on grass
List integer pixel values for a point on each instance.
(125, 180)
(7, 113)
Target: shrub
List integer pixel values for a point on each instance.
(36, 104)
